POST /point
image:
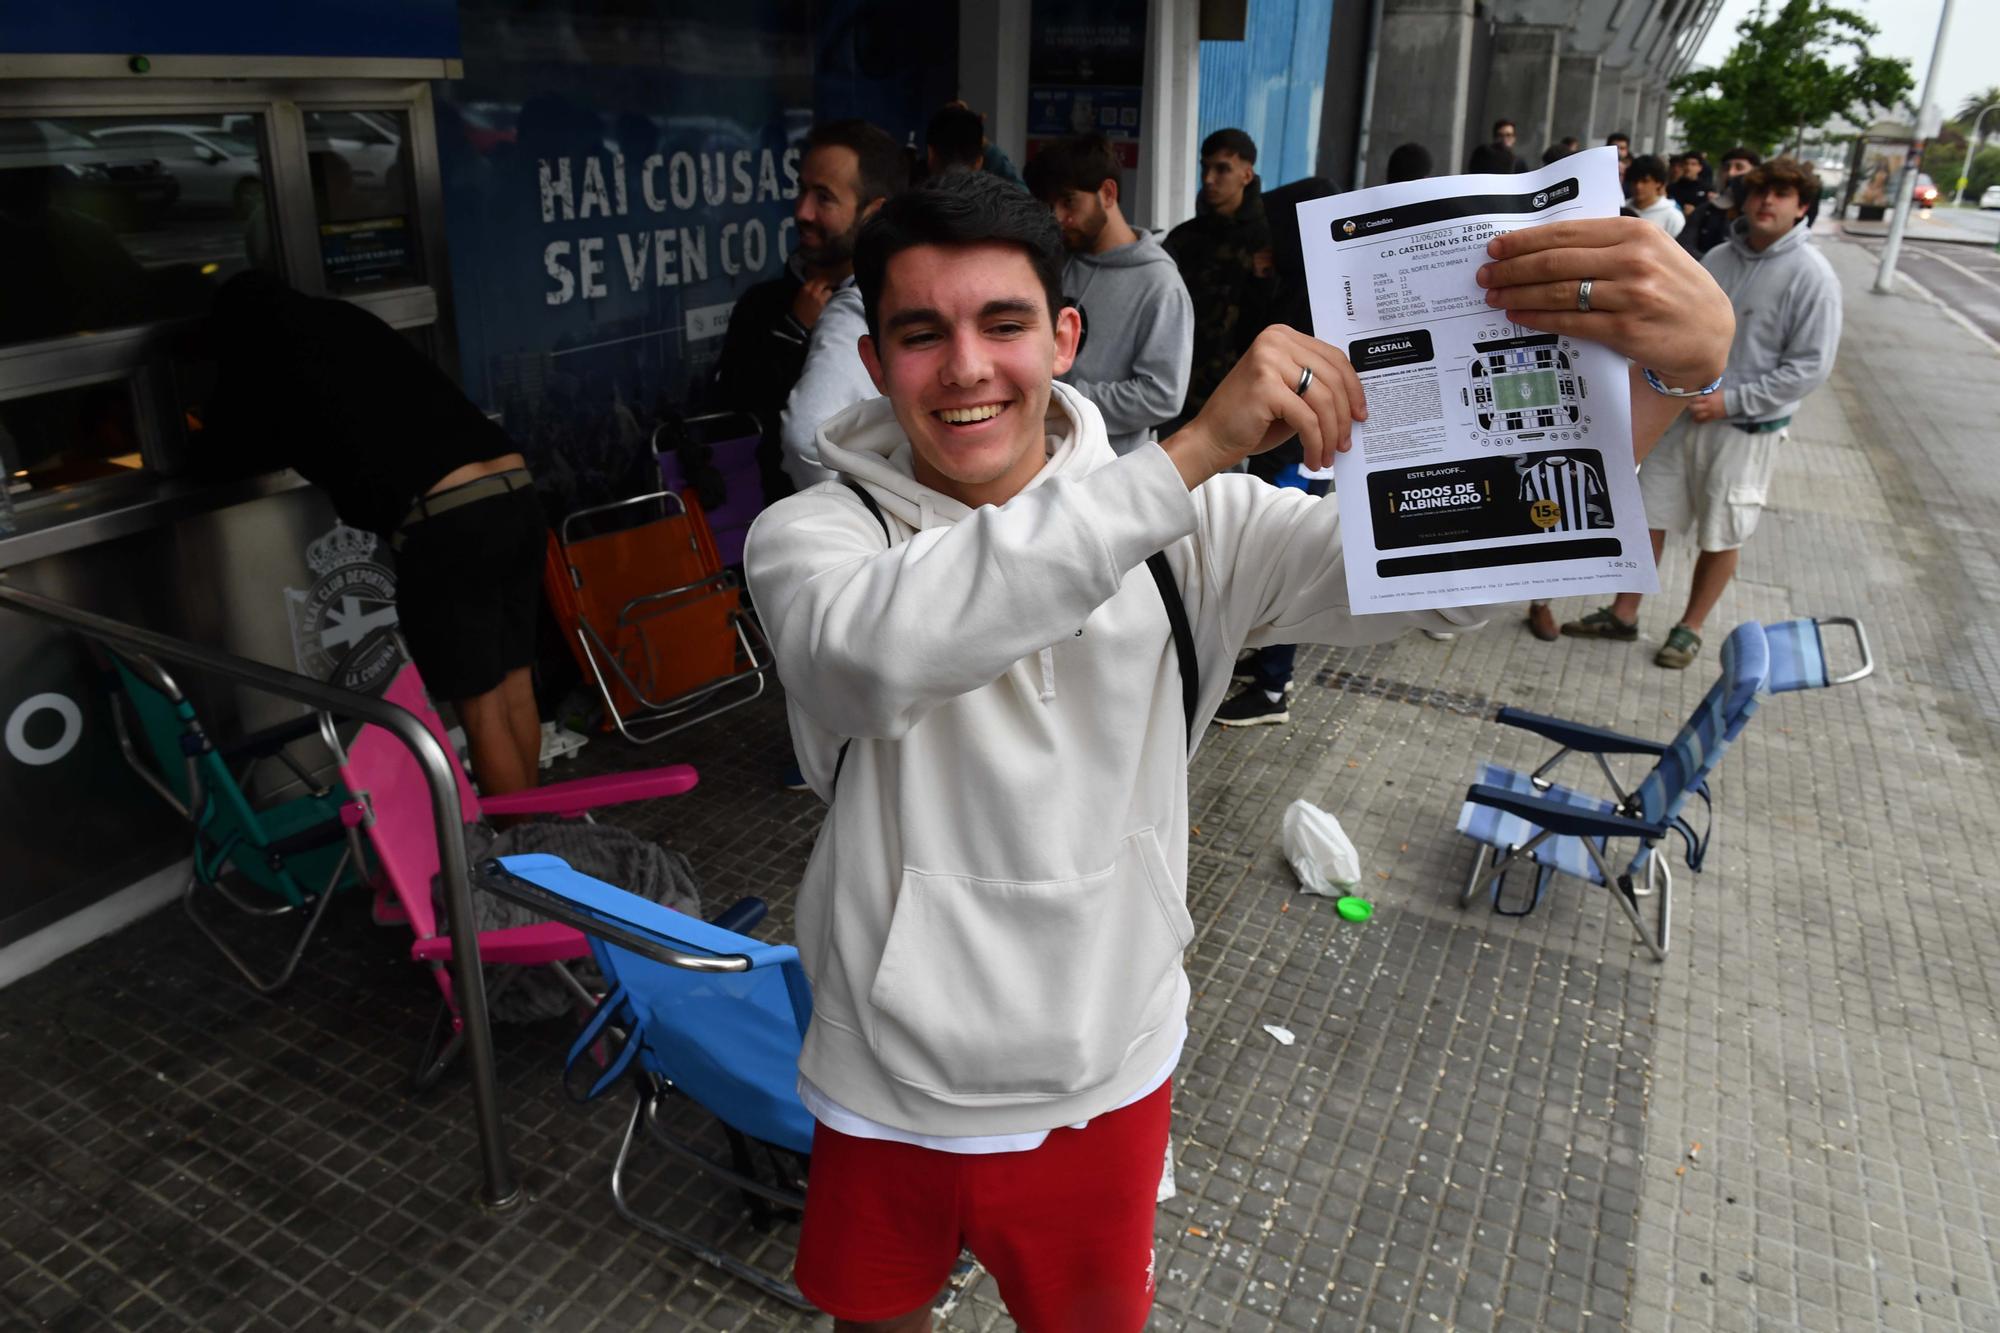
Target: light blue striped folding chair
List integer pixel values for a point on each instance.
(1518, 817)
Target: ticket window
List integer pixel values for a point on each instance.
(121, 225)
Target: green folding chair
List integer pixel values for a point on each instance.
(290, 856)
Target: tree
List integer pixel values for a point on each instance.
(1969, 109)
(1792, 70)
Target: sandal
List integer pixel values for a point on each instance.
(1679, 650)
(1601, 624)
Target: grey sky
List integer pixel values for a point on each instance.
(1908, 28)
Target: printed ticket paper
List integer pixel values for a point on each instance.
(1496, 461)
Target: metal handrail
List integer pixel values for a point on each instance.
(499, 1189)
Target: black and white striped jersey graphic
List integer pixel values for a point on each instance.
(1575, 485)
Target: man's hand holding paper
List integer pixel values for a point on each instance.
(1650, 301)
(1498, 326)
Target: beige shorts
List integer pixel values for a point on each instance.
(1709, 478)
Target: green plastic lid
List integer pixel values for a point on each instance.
(1354, 909)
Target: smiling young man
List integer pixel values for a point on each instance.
(1711, 475)
(982, 681)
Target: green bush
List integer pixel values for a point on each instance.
(1942, 163)
(1985, 172)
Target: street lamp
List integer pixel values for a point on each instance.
(1971, 147)
(1927, 128)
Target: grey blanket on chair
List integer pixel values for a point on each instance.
(603, 851)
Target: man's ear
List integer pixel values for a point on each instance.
(872, 363)
(1107, 192)
(1069, 337)
(868, 209)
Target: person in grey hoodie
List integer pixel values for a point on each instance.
(1138, 349)
(1711, 474)
(975, 626)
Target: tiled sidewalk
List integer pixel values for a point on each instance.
(1484, 1122)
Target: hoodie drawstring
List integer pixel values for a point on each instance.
(1048, 656)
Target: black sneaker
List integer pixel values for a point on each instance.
(794, 779)
(1250, 708)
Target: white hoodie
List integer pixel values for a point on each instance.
(994, 913)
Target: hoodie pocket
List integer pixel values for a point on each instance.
(1009, 987)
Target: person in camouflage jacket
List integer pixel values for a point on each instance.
(1224, 255)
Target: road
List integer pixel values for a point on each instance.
(1965, 278)
(1962, 224)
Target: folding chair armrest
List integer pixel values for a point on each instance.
(1561, 817)
(268, 741)
(571, 799)
(549, 885)
(1577, 736)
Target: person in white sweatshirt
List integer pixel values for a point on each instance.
(850, 167)
(982, 682)
(1646, 178)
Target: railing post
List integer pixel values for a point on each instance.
(498, 1188)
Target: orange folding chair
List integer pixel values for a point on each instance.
(652, 616)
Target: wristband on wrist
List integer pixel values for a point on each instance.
(1659, 386)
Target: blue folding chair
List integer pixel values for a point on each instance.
(1520, 817)
(704, 1011)
(295, 853)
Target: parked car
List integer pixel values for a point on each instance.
(1925, 195)
(118, 187)
(217, 170)
(1991, 198)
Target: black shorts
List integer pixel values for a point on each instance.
(468, 589)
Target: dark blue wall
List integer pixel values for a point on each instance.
(409, 28)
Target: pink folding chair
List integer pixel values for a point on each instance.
(391, 804)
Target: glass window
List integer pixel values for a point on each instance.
(120, 220)
(58, 439)
(361, 191)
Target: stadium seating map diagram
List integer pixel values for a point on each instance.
(1496, 461)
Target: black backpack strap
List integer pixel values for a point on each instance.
(873, 508)
(1177, 617)
(841, 760)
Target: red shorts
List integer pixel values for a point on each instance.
(1066, 1229)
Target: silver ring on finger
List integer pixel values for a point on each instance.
(1305, 379)
(1583, 296)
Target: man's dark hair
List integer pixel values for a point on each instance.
(1081, 162)
(958, 137)
(881, 166)
(1647, 168)
(1556, 152)
(1501, 124)
(1570, 143)
(1232, 141)
(1409, 162)
(1784, 171)
(1742, 154)
(966, 208)
(1490, 159)
(1618, 136)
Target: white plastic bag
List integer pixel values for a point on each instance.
(1319, 850)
